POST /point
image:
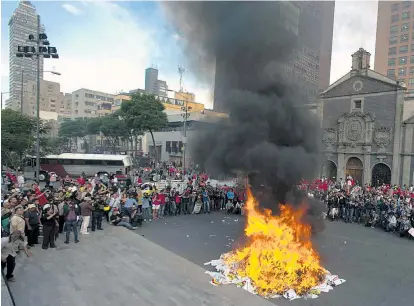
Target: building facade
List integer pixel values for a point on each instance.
(51, 98)
(310, 23)
(22, 23)
(151, 80)
(394, 47)
(85, 102)
(364, 134)
(153, 85)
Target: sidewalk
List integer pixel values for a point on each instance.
(117, 267)
(5, 295)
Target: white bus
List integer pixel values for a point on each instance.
(74, 164)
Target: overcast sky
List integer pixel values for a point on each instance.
(106, 46)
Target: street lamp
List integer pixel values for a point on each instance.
(42, 49)
(185, 115)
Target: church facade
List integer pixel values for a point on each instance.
(363, 132)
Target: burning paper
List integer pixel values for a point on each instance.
(278, 258)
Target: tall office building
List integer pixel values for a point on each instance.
(22, 23)
(154, 86)
(394, 46)
(310, 24)
(151, 80)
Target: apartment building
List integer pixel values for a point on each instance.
(51, 98)
(394, 48)
(85, 102)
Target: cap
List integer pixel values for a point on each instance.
(32, 206)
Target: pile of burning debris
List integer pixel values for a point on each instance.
(278, 258)
(227, 275)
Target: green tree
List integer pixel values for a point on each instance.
(114, 129)
(144, 113)
(74, 129)
(18, 137)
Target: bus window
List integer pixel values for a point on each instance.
(114, 162)
(67, 162)
(53, 161)
(93, 162)
(80, 162)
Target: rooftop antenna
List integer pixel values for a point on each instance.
(181, 71)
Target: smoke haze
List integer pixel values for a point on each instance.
(267, 136)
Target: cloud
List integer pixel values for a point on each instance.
(72, 9)
(111, 61)
(353, 29)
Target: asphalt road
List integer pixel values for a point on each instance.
(377, 266)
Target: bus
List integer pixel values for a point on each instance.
(74, 164)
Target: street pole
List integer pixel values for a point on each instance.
(185, 135)
(38, 102)
(21, 95)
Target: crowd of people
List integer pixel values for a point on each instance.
(389, 207)
(76, 207)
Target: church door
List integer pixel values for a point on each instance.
(381, 174)
(329, 170)
(355, 169)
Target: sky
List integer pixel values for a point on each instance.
(106, 46)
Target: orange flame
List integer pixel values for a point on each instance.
(279, 254)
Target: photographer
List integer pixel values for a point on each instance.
(97, 212)
(50, 225)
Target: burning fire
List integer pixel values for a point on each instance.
(279, 254)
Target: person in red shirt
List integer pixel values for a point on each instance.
(39, 195)
(81, 181)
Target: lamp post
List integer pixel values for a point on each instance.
(185, 115)
(42, 49)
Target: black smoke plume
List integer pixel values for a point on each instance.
(269, 136)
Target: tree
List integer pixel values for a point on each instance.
(18, 137)
(74, 129)
(113, 129)
(144, 113)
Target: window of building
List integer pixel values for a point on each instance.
(404, 38)
(405, 27)
(391, 73)
(357, 105)
(411, 82)
(401, 80)
(392, 51)
(393, 40)
(395, 18)
(412, 47)
(391, 62)
(402, 60)
(405, 15)
(404, 49)
(401, 71)
(412, 70)
(395, 7)
(406, 4)
(412, 59)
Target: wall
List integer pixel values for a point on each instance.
(51, 99)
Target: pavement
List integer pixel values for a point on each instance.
(117, 267)
(377, 266)
(162, 263)
(6, 299)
